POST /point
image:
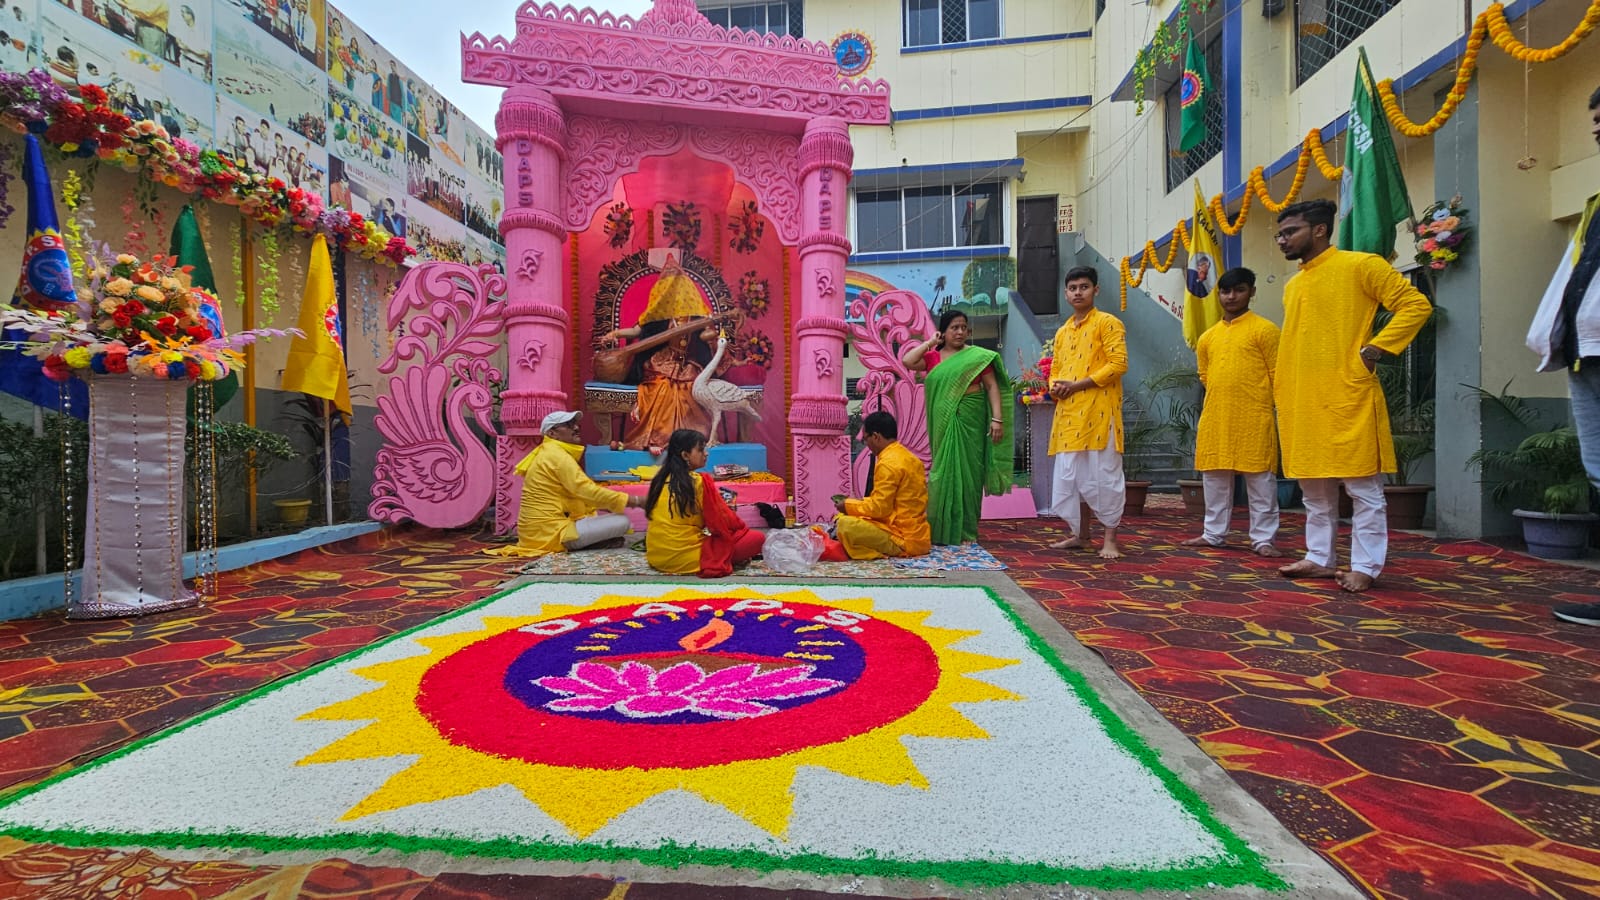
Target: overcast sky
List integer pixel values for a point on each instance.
(413, 31)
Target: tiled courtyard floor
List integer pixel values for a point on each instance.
(1435, 738)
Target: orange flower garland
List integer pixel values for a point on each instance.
(1490, 25)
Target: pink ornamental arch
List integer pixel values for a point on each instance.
(589, 95)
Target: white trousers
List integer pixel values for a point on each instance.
(598, 529)
(1262, 489)
(1369, 522)
(1088, 476)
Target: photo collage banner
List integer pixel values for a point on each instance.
(292, 86)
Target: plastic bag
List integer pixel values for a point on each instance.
(792, 551)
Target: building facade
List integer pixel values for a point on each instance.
(1030, 136)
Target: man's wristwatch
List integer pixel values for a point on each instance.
(1371, 354)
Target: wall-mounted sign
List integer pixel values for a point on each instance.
(852, 51)
(1065, 218)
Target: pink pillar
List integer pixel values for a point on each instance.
(817, 415)
(532, 138)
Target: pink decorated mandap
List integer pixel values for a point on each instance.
(675, 232)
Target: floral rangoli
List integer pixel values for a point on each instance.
(747, 726)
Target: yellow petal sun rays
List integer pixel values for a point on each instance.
(584, 800)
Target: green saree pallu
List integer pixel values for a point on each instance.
(966, 463)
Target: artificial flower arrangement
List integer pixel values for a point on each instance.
(33, 102)
(747, 228)
(757, 350)
(755, 295)
(1033, 385)
(619, 224)
(681, 225)
(1442, 230)
(142, 318)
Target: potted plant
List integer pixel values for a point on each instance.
(1411, 424)
(1140, 436)
(1543, 481)
(239, 448)
(1175, 402)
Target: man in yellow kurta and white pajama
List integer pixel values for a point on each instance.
(1332, 419)
(1238, 432)
(559, 500)
(1090, 356)
(893, 519)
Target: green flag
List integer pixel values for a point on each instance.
(1372, 193)
(190, 249)
(1192, 99)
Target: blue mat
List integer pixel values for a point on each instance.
(963, 558)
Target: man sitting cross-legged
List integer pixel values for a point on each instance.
(1238, 430)
(559, 499)
(893, 519)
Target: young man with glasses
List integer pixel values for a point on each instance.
(1333, 424)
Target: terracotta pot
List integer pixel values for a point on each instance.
(1407, 504)
(1194, 495)
(1133, 504)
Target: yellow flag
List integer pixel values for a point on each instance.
(1200, 307)
(316, 361)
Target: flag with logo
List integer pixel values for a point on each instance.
(1192, 90)
(1201, 308)
(1372, 193)
(190, 249)
(45, 284)
(316, 361)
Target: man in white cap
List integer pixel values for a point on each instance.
(559, 500)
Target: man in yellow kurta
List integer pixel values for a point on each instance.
(1090, 356)
(559, 500)
(893, 519)
(1332, 419)
(1238, 433)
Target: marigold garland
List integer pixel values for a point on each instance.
(577, 306)
(1490, 25)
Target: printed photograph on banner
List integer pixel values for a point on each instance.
(433, 180)
(482, 250)
(21, 48)
(269, 147)
(481, 158)
(428, 115)
(137, 84)
(364, 190)
(435, 235)
(271, 79)
(484, 204)
(365, 70)
(358, 133)
(173, 31)
(296, 24)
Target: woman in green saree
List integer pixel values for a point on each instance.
(969, 427)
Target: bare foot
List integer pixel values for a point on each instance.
(1070, 542)
(1268, 550)
(1305, 568)
(1109, 548)
(1354, 582)
(1196, 542)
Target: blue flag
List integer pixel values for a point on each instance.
(45, 284)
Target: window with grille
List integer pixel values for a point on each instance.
(1182, 165)
(770, 18)
(932, 22)
(930, 218)
(1325, 27)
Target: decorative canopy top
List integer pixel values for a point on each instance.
(672, 56)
